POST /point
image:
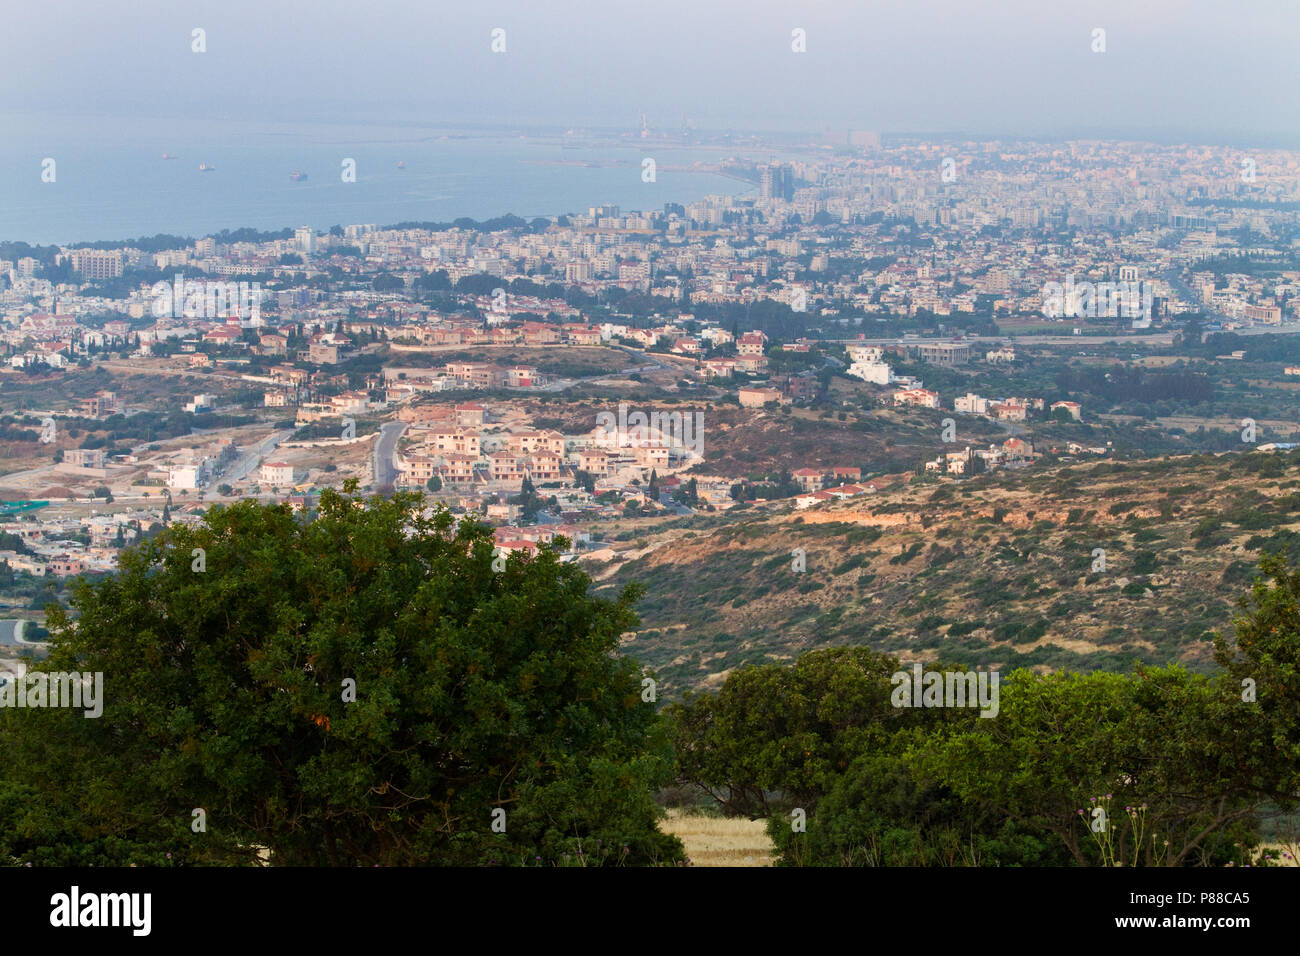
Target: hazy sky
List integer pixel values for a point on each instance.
(1204, 69)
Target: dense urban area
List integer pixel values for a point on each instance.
(859, 318)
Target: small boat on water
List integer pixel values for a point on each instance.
(169, 156)
(401, 164)
(297, 176)
(205, 168)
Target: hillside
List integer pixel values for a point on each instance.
(753, 442)
(995, 571)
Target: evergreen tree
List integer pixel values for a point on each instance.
(361, 688)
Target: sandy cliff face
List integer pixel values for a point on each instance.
(856, 516)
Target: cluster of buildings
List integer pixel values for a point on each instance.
(1248, 301)
(1012, 453)
(465, 449)
(1002, 409)
(993, 215)
(404, 383)
(65, 547)
(867, 362)
(854, 236)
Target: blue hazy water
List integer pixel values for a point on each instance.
(112, 182)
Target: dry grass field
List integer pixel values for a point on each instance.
(715, 841)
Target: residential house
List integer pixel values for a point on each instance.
(809, 479)
(277, 473)
(920, 397)
(758, 397)
(1074, 408)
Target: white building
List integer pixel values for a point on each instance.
(971, 404)
(866, 353)
(189, 475)
(878, 373)
(277, 473)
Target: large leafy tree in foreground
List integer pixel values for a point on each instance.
(229, 650)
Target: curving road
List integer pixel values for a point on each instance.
(11, 634)
(385, 471)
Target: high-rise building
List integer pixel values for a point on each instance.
(776, 182)
(97, 263)
(305, 239)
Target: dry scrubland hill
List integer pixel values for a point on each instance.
(753, 442)
(993, 572)
(743, 441)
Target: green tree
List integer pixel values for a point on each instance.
(1262, 670)
(529, 501)
(1152, 740)
(776, 729)
(476, 691)
(1186, 765)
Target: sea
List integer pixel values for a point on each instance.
(110, 179)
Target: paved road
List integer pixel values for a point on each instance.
(246, 464)
(384, 470)
(1012, 429)
(11, 632)
(1159, 338)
